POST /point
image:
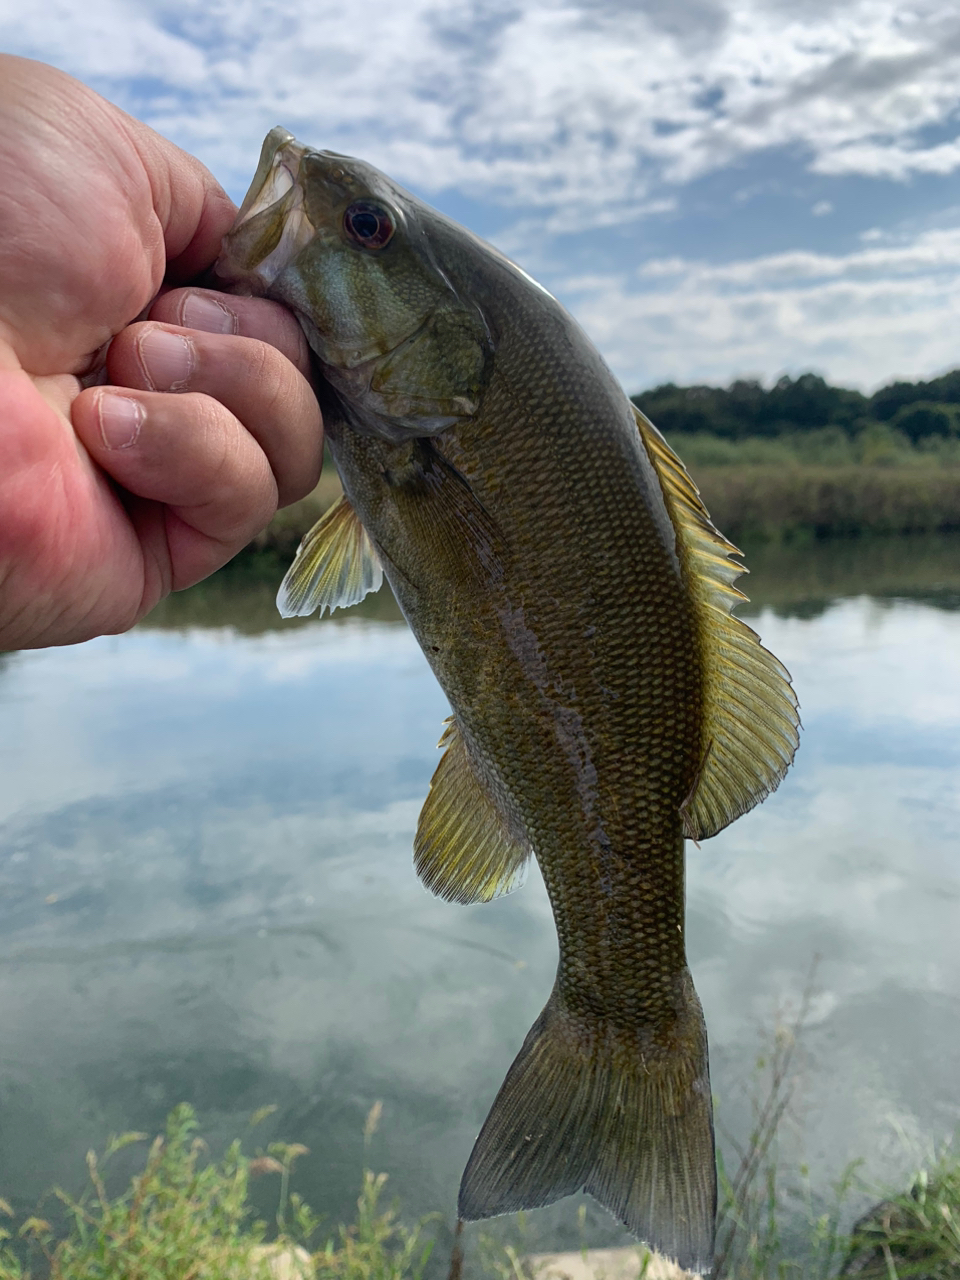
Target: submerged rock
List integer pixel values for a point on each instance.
(917, 1235)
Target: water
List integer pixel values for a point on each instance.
(206, 889)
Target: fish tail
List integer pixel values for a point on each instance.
(626, 1116)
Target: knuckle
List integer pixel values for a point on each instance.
(272, 380)
(292, 342)
(238, 478)
(273, 403)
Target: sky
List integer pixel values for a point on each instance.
(715, 188)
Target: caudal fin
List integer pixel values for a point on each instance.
(627, 1117)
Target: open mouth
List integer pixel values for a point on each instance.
(272, 225)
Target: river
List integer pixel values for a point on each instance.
(206, 890)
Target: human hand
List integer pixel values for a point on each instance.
(113, 496)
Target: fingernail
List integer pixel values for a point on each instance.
(120, 420)
(200, 311)
(168, 359)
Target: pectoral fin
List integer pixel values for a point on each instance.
(335, 566)
(463, 850)
(750, 715)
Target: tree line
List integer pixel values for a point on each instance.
(808, 403)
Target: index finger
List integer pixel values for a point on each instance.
(214, 312)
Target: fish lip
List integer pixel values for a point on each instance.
(274, 198)
(279, 165)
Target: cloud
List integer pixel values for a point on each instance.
(544, 102)
(557, 117)
(890, 161)
(880, 312)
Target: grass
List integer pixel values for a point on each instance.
(771, 1224)
(913, 1234)
(759, 1200)
(824, 483)
(786, 502)
(878, 445)
(185, 1216)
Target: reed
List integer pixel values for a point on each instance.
(913, 1234)
(821, 483)
(783, 501)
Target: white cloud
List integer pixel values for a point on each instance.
(889, 161)
(860, 319)
(550, 102)
(585, 114)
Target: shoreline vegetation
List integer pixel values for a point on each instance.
(804, 458)
(174, 1212)
(799, 460)
(183, 1215)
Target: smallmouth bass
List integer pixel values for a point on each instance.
(555, 563)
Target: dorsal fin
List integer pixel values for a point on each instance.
(463, 850)
(335, 566)
(750, 716)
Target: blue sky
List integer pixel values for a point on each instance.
(715, 188)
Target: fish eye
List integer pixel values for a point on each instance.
(368, 224)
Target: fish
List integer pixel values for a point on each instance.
(556, 565)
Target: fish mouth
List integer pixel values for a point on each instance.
(272, 226)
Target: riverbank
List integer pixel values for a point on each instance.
(783, 502)
(182, 1214)
(800, 577)
(772, 501)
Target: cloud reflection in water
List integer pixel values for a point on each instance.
(206, 892)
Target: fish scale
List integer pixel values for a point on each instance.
(566, 585)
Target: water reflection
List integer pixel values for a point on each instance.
(206, 888)
(243, 596)
(800, 578)
(803, 578)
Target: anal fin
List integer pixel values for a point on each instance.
(463, 850)
(335, 566)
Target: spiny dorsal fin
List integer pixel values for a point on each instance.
(750, 720)
(463, 851)
(335, 566)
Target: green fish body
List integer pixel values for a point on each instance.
(554, 561)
